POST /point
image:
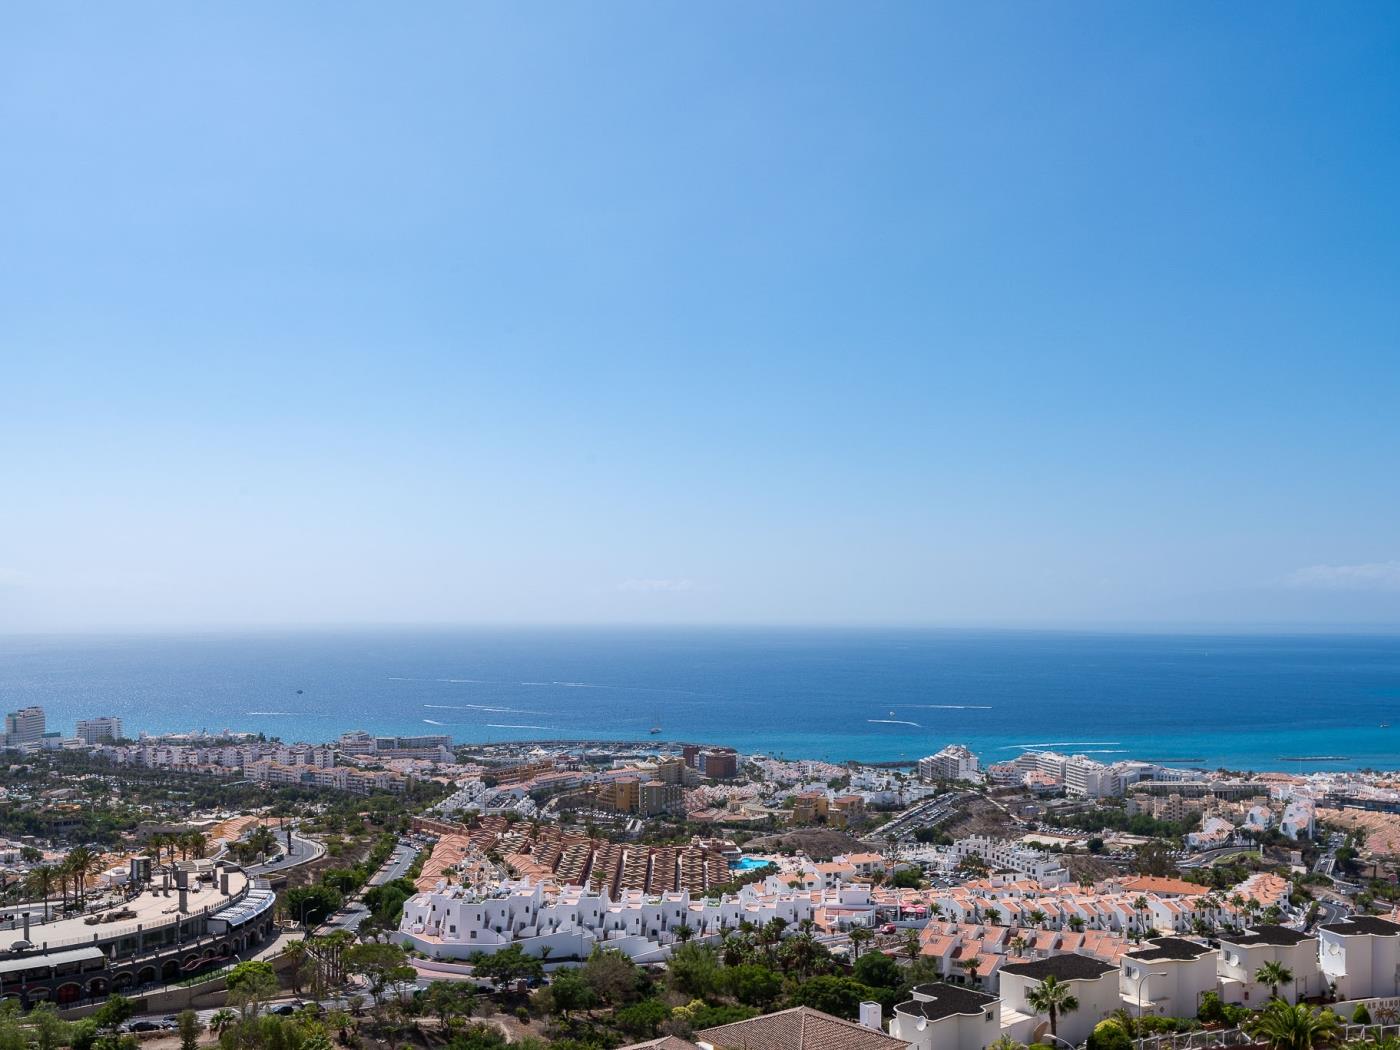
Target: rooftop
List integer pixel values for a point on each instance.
(800, 1028)
(945, 1000)
(1267, 934)
(1170, 948)
(1359, 924)
(1070, 966)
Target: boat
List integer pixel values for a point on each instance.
(654, 730)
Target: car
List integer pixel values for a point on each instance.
(145, 1026)
(285, 1009)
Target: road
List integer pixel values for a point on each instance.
(303, 851)
(354, 913)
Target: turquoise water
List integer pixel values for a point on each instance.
(748, 864)
(1241, 701)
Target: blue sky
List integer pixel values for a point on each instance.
(916, 313)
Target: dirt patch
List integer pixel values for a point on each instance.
(817, 843)
(1382, 829)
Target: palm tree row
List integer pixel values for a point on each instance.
(188, 843)
(74, 871)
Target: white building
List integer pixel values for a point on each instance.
(453, 922)
(1167, 976)
(954, 762)
(25, 726)
(1242, 954)
(947, 1017)
(1215, 832)
(1361, 956)
(1012, 856)
(1092, 981)
(94, 731)
(1298, 820)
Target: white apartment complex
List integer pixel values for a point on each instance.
(954, 762)
(23, 727)
(94, 731)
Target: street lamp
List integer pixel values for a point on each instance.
(1140, 978)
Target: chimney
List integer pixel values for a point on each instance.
(870, 1016)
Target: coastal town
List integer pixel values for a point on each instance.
(933, 903)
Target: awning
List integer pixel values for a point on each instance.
(34, 962)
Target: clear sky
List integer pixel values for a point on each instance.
(654, 312)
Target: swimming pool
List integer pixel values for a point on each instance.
(748, 864)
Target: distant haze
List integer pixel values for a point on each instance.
(660, 313)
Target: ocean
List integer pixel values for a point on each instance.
(1240, 701)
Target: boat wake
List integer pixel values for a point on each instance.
(894, 722)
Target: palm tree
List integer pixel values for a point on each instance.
(1017, 944)
(859, 936)
(1139, 907)
(992, 916)
(683, 933)
(296, 952)
(1076, 923)
(911, 945)
(1290, 1027)
(222, 1021)
(1273, 974)
(1038, 917)
(1053, 999)
(38, 881)
(969, 967)
(936, 910)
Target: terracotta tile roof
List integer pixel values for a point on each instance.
(666, 1042)
(800, 1028)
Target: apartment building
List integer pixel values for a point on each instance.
(1361, 956)
(1242, 954)
(1167, 976)
(1092, 981)
(94, 731)
(24, 727)
(954, 762)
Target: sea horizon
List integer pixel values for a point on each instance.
(1258, 701)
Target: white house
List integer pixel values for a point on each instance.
(1093, 982)
(1167, 976)
(1361, 956)
(948, 1017)
(1242, 955)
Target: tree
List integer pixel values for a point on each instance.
(250, 984)
(381, 965)
(111, 1014)
(694, 970)
(312, 905)
(569, 992)
(754, 985)
(641, 1019)
(859, 936)
(907, 879)
(506, 966)
(1109, 1035)
(838, 996)
(1274, 974)
(222, 1021)
(877, 970)
(1053, 999)
(992, 916)
(1361, 1015)
(50, 1030)
(1293, 1027)
(190, 1027)
(683, 933)
(448, 999)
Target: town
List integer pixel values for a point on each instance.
(941, 904)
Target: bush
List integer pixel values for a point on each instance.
(1108, 1035)
(1361, 1015)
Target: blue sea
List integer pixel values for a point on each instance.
(1246, 701)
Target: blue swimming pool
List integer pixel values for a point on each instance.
(747, 864)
